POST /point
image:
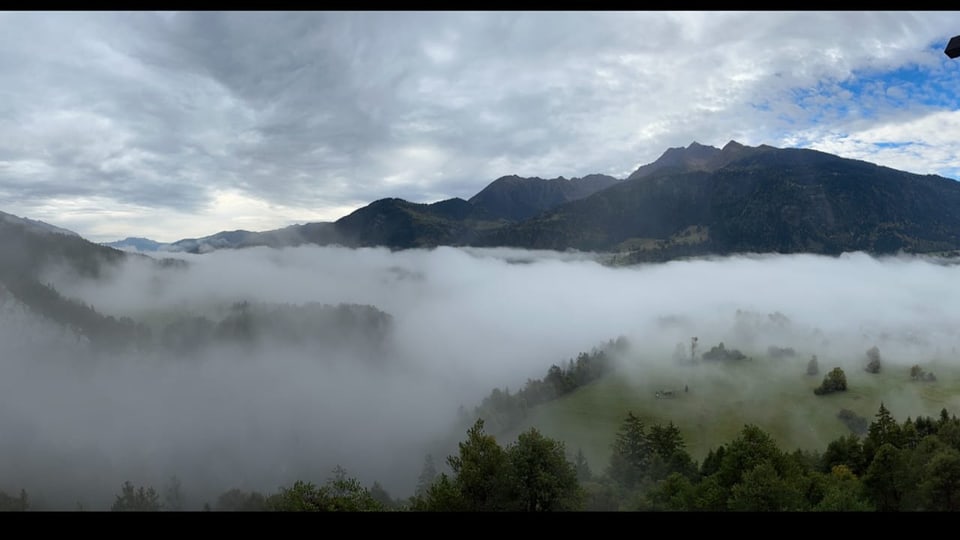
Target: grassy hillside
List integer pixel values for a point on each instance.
(775, 394)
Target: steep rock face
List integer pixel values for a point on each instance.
(697, 157)
(514, 198)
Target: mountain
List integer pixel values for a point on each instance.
(136, 244)
(225, 239)
(392, 222)
(514, 198)
(751, 199)
(401, 224)
(33, 225)
(28, 248)
(696, 157)
(691, 201)
(294, 235)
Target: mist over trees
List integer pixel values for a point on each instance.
(908, 466)
(721, 353)
(505, 410)
(529, 475)
(136, 499)
(813, 366)
(10, 503)
(206, 357)
(873, 360)
(341, 493)
(835, 381)
(918, 374)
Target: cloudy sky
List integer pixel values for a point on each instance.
(175, 125)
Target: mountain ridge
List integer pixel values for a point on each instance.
(35, 225)
(693, 200)
(764, 200)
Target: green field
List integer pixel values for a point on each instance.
(775, 394)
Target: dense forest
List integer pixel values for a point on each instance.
(912, 465)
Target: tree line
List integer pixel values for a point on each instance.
(503, 411)
(908, 466)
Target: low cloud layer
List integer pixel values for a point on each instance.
(77, 424)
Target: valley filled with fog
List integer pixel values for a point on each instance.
(388, 346)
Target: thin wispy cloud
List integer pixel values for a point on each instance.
(173, 125)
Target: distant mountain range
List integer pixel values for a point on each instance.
(137, 244)
(398, 223)
(691, 201)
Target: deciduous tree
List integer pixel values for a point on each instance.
(479, 470)
(835, 381)
(539, 476)
(341, 493)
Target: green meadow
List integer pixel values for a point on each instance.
(711, 402)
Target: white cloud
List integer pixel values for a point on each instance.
(922, 145)
(162, 110)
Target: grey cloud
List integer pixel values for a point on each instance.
(320, 109)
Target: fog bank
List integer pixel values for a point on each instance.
(462, 322)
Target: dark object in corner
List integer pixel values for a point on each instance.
(953, 48)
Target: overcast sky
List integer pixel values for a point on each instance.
(175, 125)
